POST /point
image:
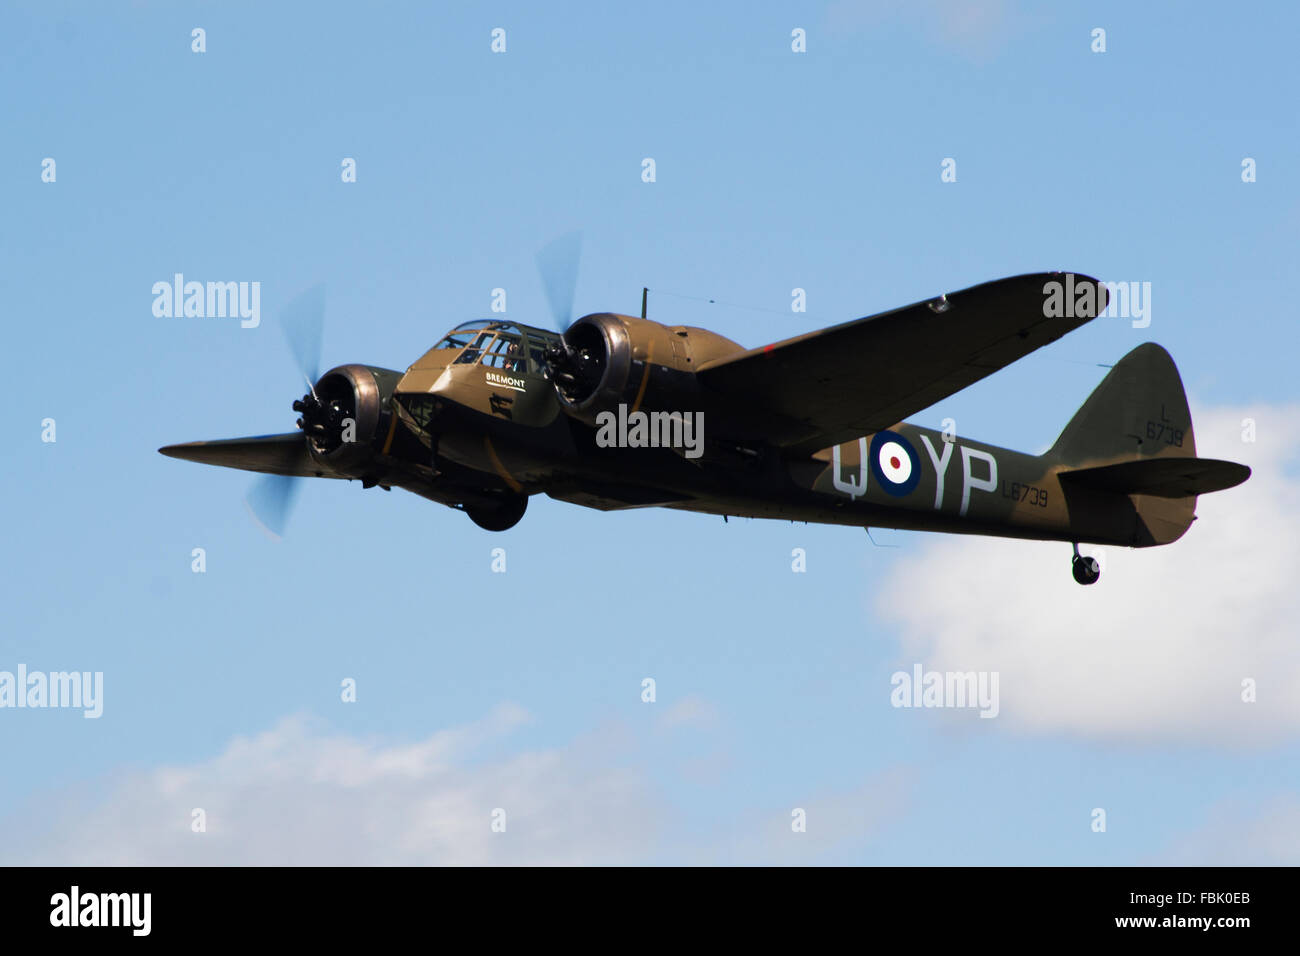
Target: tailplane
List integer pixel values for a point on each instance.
(1134, 437)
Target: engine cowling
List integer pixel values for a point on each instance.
(347, 415)
(609, 356)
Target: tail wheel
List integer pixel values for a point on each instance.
(498, 517)
(1086, 570)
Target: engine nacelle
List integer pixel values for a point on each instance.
(348, 418)
(610, 356)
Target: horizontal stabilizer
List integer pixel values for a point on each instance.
(271, 454)
(1162, 477)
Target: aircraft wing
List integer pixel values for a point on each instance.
(849, 380)
(272, 454)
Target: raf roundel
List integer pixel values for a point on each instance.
(894, 463)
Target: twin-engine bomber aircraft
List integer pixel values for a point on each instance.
(623, 412)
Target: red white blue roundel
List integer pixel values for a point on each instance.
(894, 463)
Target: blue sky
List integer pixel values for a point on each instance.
(775, 170)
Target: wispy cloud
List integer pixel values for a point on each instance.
(1241, 833)
(298, 795)
(292, 795)
(977, 29)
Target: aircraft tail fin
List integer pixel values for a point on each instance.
(1134, 437)
(1138, 411)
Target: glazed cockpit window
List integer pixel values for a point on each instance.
(506, 352)
(501, 345)
(456, 340)
(463, 334)
(481, 342)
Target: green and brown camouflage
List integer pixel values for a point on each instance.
(809, 429)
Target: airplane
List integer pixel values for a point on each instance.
(621, 411)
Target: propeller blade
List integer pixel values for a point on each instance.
(558, 264)
(270, 501)
(303, 321)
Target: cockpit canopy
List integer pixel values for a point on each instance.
(501, 345)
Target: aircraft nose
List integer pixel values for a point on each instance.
(424, 379)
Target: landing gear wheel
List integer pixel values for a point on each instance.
(500, 517)
(1086, 570)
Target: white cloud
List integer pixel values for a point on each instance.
(1156, 651)
(294, 796)
(690, 711)
(835, 821)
